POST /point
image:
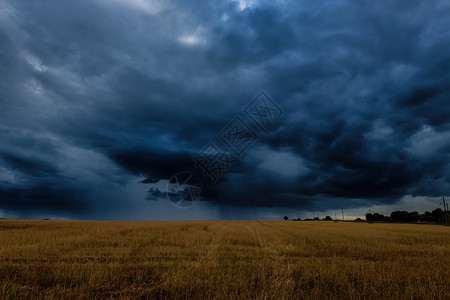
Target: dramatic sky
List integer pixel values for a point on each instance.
(102, 101)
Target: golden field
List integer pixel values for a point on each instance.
(223, 260)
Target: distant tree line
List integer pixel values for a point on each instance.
(437, 215)
(400, 216)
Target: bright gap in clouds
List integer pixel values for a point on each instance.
(243, 4)
(189, 39)
(147, 6)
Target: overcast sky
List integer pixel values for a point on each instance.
(102, 101)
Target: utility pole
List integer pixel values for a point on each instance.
(448, 218)
(343, 214)
(445, 214)
(445, 209)
(335, 216)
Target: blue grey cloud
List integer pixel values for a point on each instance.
(98, 96)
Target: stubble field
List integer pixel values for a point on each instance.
(223, 260)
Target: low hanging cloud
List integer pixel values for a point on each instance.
(99, 95)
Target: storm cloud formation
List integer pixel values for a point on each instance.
(99, 95)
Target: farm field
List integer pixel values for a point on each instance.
(223, 260)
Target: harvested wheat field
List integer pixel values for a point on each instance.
(223, 260)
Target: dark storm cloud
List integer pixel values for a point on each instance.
(100, 94)
(158, 164)
(37, 185)
(42, 198)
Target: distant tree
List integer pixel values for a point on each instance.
(328, 218)
(438, 215)
(377, 217)
(358, 220)
(395, 216)
(413, 216)
(316, 219)
(400, 216)
(286, 218)
(427, 217)
(404, 216)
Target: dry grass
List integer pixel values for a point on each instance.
(223, 259)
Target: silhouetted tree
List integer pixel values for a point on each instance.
(377, 217)
(328, 218)
(413, 216)
(404, 216)
(400, 216)
(286, 218)
(427, 217)
(438, 215)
